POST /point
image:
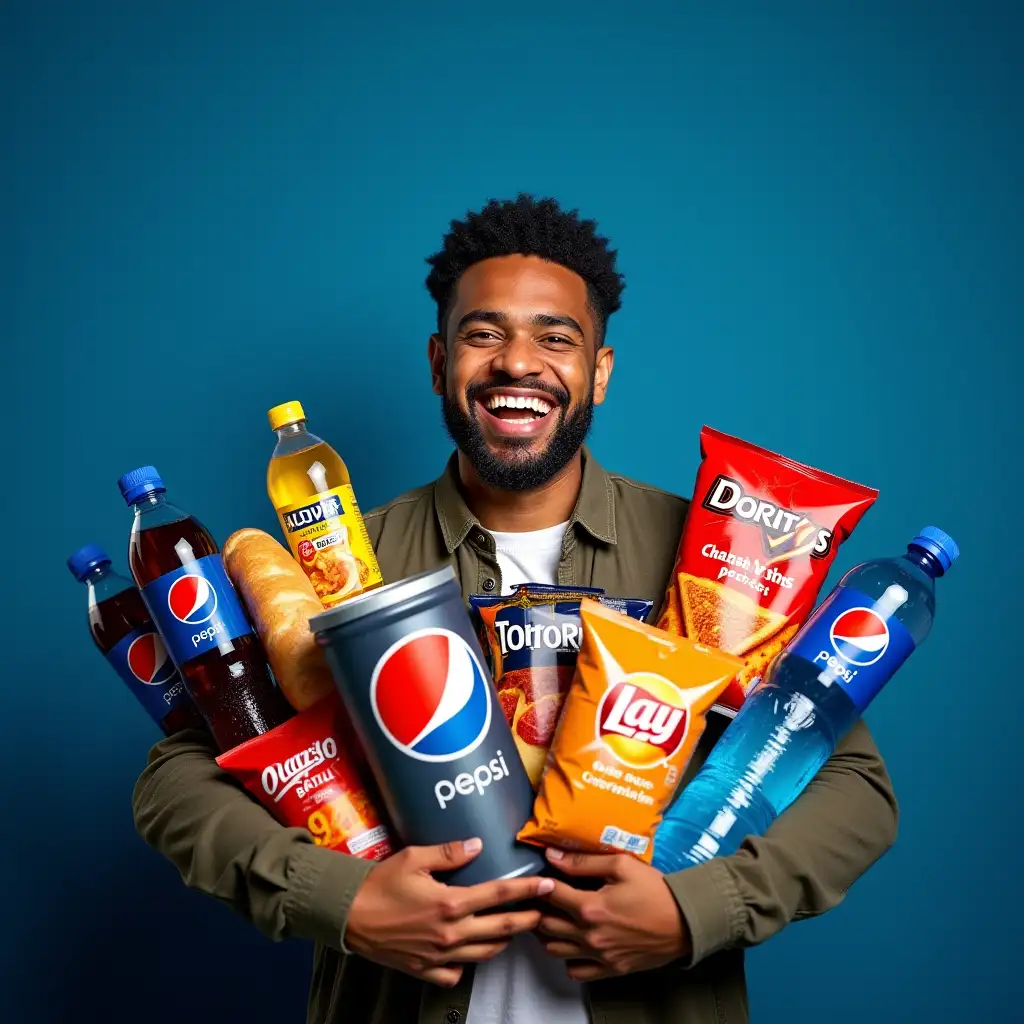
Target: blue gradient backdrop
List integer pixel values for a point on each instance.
(209, 208)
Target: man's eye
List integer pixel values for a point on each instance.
(482, 336)
(557, 339)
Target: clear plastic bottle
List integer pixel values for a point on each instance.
(310, 488)
(123, 631)
(177, 566)
(811, 695)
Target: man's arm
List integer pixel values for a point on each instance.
(227, 846)
(842, 823)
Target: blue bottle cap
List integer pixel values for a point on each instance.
(939, 544)
(85, 559)
(144, 480)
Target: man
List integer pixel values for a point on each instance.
(524, 292)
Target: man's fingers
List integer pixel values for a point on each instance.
(559, 928)
(566, 898)
(475, 952)
(458, 902)
(564, 950)
(591, 865)
(490, 927)
(589, 971)
(445, 856)
(445, 977)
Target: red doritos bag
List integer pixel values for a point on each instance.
(758, 542)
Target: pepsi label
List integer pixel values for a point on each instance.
(143, 662)
(432, 700)
(196, 608)
(856, 641)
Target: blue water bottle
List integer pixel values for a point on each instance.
(812, 694)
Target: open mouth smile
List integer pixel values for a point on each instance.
(517, 412)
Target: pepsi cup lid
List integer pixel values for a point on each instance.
(938, 543)
(144, 480)
(376, 600)
(85, 559)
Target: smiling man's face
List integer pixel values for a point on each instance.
(520, 369)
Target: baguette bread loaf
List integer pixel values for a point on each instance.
(280, 601)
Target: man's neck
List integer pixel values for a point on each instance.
(522, 511)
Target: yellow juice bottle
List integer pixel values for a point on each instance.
(310, 488)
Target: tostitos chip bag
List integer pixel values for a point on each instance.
(533, 638)
(759, 539)
(633, 716)
(306, 772)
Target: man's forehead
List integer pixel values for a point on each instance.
(522, 285)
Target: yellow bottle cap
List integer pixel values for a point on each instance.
(282, 415)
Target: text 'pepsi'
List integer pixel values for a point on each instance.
(410, 672)
(198, 606)
(810, 697)
(124, 632)
(177, 566)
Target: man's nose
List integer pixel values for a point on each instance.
(518, 357)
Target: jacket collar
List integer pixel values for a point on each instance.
(594, 511)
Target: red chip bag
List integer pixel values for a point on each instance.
(305, 773)
(759, 539)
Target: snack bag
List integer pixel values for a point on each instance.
(304, 775)
(759, 539)
(633, 716)
(533, 639)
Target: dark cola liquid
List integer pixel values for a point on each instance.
(114, 618)
(233, 690)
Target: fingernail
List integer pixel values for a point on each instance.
(554, 854)
(545, 886)
(473, 845)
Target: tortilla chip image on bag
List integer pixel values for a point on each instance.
(632, 718)
(759, 539)
(532, 637)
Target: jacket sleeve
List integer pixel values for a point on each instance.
(227, 846)
(842, 823)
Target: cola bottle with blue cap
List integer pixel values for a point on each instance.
(177, 566)
(124, 633)
(809, 698)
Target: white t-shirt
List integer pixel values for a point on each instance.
(523, 985)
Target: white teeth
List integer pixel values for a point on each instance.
(537, 405)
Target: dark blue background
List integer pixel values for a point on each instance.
(209, 208)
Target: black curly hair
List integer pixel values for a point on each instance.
(528, 227)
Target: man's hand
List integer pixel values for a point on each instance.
(632, 923)
(404, 918)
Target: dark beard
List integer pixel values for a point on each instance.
(519, 470)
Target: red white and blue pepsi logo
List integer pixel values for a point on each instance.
(430, 696)
(859, 636)
(149, 661)
(192, 599)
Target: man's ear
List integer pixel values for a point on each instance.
(602, 373)
(437, 353)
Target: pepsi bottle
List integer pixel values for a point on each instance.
(178, 568)
(124, 633)
(811, 695)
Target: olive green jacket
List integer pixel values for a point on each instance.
(622, 537)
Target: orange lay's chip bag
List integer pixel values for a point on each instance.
(632, 718)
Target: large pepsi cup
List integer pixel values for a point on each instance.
(411, 673)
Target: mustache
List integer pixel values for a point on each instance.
(558, 394)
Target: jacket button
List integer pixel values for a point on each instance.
(488, 586)
(453, 1017)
